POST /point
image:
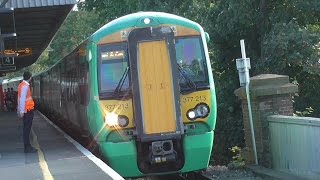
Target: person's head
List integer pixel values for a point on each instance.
(27, 76)
(8, 89)
(11, 89)
(5, 90)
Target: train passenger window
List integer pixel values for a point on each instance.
(83, 83)
(190, 57)
(113, 64)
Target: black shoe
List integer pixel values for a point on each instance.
(30, 149)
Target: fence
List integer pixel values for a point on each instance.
(295, 145)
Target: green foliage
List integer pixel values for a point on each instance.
(306, 112)
(294, 47)
(308, 91)
(108, 10)
(238, 158)
(278, 39)
(77, 27)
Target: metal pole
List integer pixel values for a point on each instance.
(243, 53)
(1, 43)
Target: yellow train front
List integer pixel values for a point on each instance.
(154, 93)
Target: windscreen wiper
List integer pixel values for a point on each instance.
(190, 83)
(121, 82)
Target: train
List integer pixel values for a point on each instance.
(141, 87)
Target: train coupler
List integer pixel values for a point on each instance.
(162, 152)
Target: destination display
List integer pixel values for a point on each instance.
(16, 53)
(112, 55)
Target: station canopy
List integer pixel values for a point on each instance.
(26, 29)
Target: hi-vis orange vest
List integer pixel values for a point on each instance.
(29, 101)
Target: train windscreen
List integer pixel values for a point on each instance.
(113, 69)
(192, 63)
(113, 66)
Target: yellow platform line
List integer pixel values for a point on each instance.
(42, 161)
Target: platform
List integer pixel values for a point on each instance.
(59, 157)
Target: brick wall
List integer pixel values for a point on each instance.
(267, 98)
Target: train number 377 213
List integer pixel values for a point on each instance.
(194, 99)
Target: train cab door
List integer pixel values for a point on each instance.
(155, 90)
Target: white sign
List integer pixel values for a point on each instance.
(8, 60)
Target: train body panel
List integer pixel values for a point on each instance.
(62, 90)
(142, 88)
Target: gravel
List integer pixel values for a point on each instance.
(219, 173)
(223, 173)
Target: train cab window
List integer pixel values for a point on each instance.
(113, 64)
(192, 63)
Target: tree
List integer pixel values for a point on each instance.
(281, 37)
(77, 27)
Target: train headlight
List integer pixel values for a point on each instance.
(201, 110)
(123, 121)
(191, 114)
(146, 20)
(111, 119)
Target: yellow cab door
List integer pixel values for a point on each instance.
(156, 89)
(154, 82)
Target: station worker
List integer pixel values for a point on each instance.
(25, 110)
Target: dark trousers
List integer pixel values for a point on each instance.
(27, 123)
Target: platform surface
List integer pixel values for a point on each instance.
(57, 157)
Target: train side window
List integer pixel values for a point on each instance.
(83, 83)
(62, 81)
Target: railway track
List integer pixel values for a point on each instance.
(195, 176)
(187, 176)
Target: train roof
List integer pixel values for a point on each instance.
(6, 81)
(136, 20)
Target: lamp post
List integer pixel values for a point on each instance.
(243, 66)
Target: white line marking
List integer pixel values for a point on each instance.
(103, 166)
